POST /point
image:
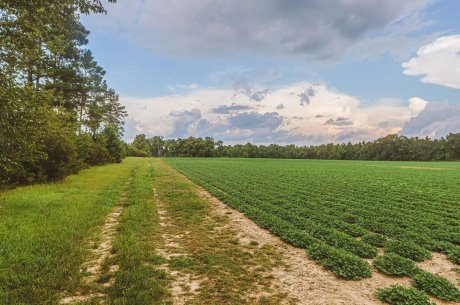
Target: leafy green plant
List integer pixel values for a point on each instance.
(376, 240)
(395, 265)
(408, 249)
(344, 241)
(436, 286)
(298, 210)
(399, 295)
(454, 255)
(342, 263)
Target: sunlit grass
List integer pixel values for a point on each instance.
(43, 229)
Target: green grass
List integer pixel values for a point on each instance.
(139, 280)
(230, 272)
(43, 230)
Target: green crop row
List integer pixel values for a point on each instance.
(344, 209)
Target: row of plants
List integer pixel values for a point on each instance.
(342, 212)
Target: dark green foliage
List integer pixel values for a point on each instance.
(344, 241)
(395, 265)
(436, 286)
(132, 151)
(52, 93)
(377, 240)
(392, 147)
(91, 151)
(61, 160)
(342, 263)
(454, 255)
(398, 295)
(113, 144)
(23, 124)
(408, 249)
(306, 202)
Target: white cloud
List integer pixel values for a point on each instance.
(437, 62)
(329, 116)
(417, 104)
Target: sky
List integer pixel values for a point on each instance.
(299, 72)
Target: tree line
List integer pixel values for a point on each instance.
(57, 113)
(390, 148)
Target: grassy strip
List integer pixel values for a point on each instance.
(229, 272)
(138, 280)
(43, 228)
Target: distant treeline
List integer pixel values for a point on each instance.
(57, 114)
(392, 147)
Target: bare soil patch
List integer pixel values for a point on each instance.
(441, 265)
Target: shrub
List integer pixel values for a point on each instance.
(395, 265)
(342, 263)
(436, 286)
(132, 151)
(398, 295)
(61, 161)
(408, 249)
(373, 239)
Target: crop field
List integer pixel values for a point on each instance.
(139, 232)
(355, 218)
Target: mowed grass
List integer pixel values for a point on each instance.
(140, 279)
(43, 230)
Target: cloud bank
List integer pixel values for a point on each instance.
(282, 116)
(320, 29)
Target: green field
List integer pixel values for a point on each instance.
(354, 218)
(343, 211)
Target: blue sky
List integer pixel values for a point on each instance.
(363, 69)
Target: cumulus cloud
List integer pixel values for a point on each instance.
(331, 116)
(321, 29)
(437, 62)
(435, 120)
